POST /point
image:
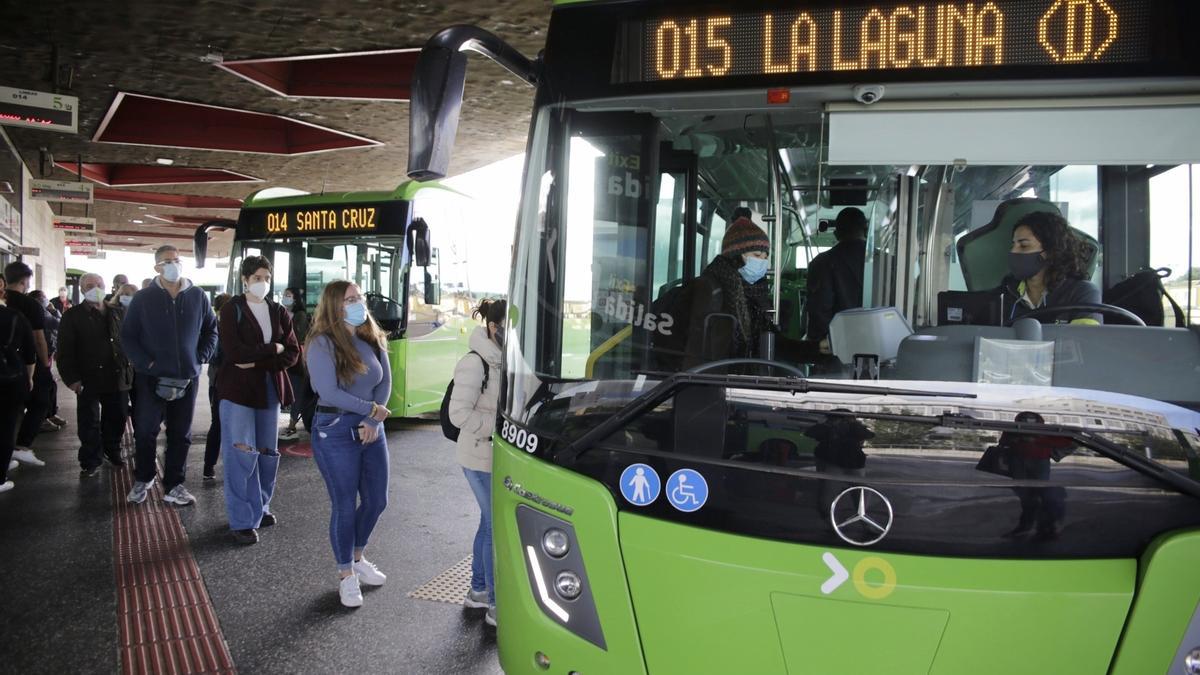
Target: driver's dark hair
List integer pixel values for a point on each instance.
(491, 311)
(253, 264)
(1066, 254)
(298, 299)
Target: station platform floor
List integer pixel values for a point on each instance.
(91, 584)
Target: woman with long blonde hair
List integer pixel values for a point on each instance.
(346, 354)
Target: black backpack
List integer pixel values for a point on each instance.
(12, 366)
(448, 429)
(1142, 293)
(669, 349)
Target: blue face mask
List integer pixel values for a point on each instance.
(356, 314)
(754, 269)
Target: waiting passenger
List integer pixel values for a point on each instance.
(17, 365)
(293, 301)
(346, 355)
(37, 405)
(212, 443)
(1048, 268)
(92, 364)
(62, 303)
(473, 410)
(52, 318)
(123, 296)
(835, 277)
(118, 281)
(734, 283)
(257, 348)
(166, 357)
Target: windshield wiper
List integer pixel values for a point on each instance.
(1117, 452)
(667, 388)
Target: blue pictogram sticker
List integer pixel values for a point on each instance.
(640, 484)
(687, 490)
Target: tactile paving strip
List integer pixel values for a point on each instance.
(166, 620)
(450, 586)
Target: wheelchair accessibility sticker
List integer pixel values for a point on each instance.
(687, 490)
(640, 484)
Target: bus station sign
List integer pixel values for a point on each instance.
(39, 110)
(76, 224)
(60, 191)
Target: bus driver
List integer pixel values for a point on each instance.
(1048, 268)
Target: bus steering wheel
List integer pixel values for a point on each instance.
(1088, 307)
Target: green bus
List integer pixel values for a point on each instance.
(868, 501)
(374, 240)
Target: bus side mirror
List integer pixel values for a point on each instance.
(437, 95)
(433, 293)
(422, 245)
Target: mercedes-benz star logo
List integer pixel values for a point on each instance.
(865, 507)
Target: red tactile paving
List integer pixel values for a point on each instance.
(166, 620)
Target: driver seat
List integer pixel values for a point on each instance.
(983, 252)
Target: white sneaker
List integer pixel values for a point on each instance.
(289, 435)
(179, 496)
(368, 573)
(476, 600)
(350, 591)
(138, 494)
(490, 617)
(7, 485)
(13, 464)
(26, 456)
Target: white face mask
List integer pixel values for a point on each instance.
(95, 294)
(125, 300)
(259, 289)
(172, 271)
(286, 301)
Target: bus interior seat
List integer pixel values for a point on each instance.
(872, 330)
(983, 252)
(1158, 363)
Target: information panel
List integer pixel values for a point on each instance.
(893, 36)
(324, 220)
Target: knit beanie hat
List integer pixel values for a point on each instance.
(743, 236)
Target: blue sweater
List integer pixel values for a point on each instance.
(169, 337)
(356, 396)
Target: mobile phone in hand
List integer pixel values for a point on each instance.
(354, 434)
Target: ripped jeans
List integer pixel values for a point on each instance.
(250, 448)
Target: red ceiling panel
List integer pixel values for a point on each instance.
(136, 119)
(186, 221)
(378, 75)
(122, 175)
(164, 199)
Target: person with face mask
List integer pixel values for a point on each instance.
(473, 410)
(258, 345)
(118, 281)
(168, 332)
(347, 360)
(733, 284)
(93, 365)
(52, 319)
(62, 302)
(1048, 268)
(835, 277)
(293, 302)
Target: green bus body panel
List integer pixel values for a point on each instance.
(697, 591)
(523, 628)
(1168, 595)
(423, 366)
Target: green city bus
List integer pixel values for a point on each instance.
(866, 502)
(374, 240)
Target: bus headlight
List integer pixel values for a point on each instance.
(567, 585)
(555, 543)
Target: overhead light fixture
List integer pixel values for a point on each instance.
(141, 208)
(131, 238)
(165, 161)
(136, 221)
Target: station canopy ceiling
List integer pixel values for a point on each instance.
(242, 96)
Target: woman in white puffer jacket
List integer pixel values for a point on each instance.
(472, 409)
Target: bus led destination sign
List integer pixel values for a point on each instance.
(857, 37)
(324, 220)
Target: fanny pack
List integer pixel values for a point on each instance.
(171, 389)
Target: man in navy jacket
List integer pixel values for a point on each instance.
(169, 332)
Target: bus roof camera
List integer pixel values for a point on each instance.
(868, 93)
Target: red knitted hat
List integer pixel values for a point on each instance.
(743, 236)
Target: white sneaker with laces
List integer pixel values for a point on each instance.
(138, 494)
(179, 496)
(289, 435)
(368, 573)
(490, 617)
(7, 485)
(26, 456)
(476, 600)
(350, 592)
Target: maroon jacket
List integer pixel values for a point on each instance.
(242, 342)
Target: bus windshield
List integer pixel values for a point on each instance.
(625, 218)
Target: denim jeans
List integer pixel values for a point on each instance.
(149, 415)
(250, 474)
(356, 477)
(483, 576)
(101, 421)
